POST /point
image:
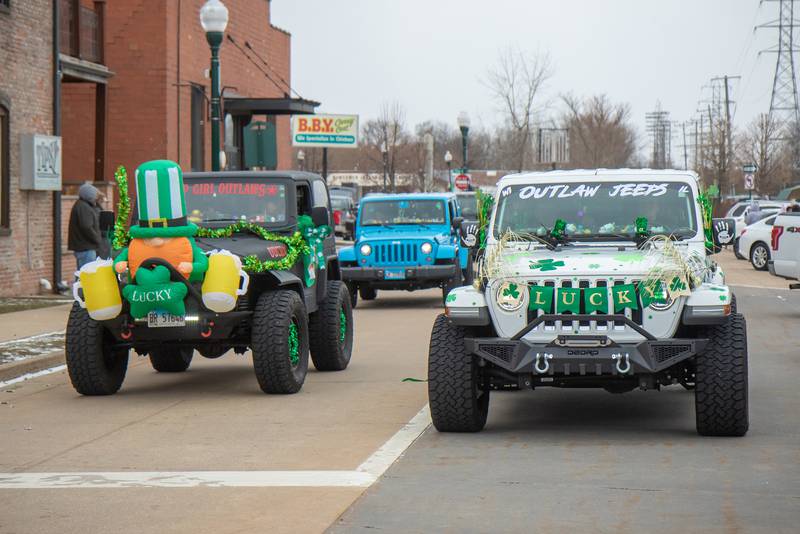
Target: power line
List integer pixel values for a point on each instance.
(264, 61)
(251, 60)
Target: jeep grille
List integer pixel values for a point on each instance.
(585, 326)
(396, 253)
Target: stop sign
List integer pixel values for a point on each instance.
(462, 182)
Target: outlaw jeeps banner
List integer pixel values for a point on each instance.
(569, 299)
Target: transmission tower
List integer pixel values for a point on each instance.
(783, 107)
(660, 129)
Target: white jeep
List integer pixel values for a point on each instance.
(594, 279)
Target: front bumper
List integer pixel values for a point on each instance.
(552, 359)
(412, 273)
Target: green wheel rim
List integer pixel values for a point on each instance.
(342, 326)
(294, 344)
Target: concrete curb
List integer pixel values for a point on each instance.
(31, 365)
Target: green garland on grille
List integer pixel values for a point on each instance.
(121, 237)
(485, 203)
(705, 206)
(295, 246)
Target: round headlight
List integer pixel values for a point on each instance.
(510, 296)
(426, 248)
(663, 305)
(366, 250)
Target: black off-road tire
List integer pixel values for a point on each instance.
(458, 399)
(721, 393)
(353, 289)
(94, 366)
(171, 359)
(275, 312)
(367, 293)
(331, 342)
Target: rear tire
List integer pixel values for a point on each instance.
(759, 256)
(458, 400)
(721, 389)
(280, 359)
(367, 293)
(171, 360)
(331, 329)
(94, 366)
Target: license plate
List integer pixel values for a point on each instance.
(394, 274)
(161, 319)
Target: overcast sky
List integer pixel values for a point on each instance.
(430, 55)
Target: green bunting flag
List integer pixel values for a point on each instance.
(595, 299)
(568, 300)
(624, 296)
(652, 291)
(541, 298)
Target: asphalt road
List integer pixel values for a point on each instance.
(555, 460)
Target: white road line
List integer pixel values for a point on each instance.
(364, 475)
(37, 374)
(761, 287)
(30, 338)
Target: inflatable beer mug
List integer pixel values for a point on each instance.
(101, 297)
(225, 280)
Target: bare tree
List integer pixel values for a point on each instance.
(515, 82)
(387, 131)
(758, 145)
(601, 133)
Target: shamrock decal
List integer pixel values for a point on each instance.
(677, 285)
(594, 265)
(546, 265)
(511, 291)
(451, 297)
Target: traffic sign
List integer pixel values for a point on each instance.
(462, 181)
(749, 168)
(749, 181)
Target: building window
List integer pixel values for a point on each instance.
(5, 168)
(5, 6)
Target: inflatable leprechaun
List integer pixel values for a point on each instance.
(163, 233)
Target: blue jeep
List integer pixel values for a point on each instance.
(407, 241)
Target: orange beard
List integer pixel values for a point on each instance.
(173, 250)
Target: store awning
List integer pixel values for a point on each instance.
(269, 106)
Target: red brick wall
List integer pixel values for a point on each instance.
(25, 82)
(77, 131)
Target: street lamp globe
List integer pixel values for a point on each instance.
(214, 17)
(448, 157)
(463, 120)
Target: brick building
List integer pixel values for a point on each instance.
(134, 88)
(26, 107)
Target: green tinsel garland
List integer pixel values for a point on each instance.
(485, 203)
(705, 206)
(295, 246)
(121, 237)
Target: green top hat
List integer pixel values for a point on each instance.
(162, 207)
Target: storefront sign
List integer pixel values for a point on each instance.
(40, 158)
(336, 131)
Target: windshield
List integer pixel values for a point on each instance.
(469, 206)
(402, 212)
(597, 209)
(340, 203)
(237, 200)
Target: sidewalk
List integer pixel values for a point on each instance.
(16, 325)
(742, 273)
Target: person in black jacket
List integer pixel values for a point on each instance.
(84, 237)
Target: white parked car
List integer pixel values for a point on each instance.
(740, 211)
(785, 243)
(754, 242)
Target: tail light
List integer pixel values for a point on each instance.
(777, 232)
(744, 231)
(337, 217)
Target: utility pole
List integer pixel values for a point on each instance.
(685, 153)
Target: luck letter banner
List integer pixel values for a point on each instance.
(541, 298)
(568, 300)
(595, 299)
(624, 296)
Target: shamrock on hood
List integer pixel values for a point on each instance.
(511, 291)
(546, 265)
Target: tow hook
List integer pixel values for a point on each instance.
(207, 333)
(542, 358)
(126, 333)
(622, 368)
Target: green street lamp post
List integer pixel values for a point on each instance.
(214, 20)
(448, 159)
(463, 125)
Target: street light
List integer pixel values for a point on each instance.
(463, 125)
(214, 20)
(448, 159)
(385, 154)
(301, 159)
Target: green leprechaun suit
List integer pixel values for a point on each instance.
(163, 232)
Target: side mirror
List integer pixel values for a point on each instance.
(106, 221)
(723, 231)
(320, 216)
(457, 222)
(469, 234)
